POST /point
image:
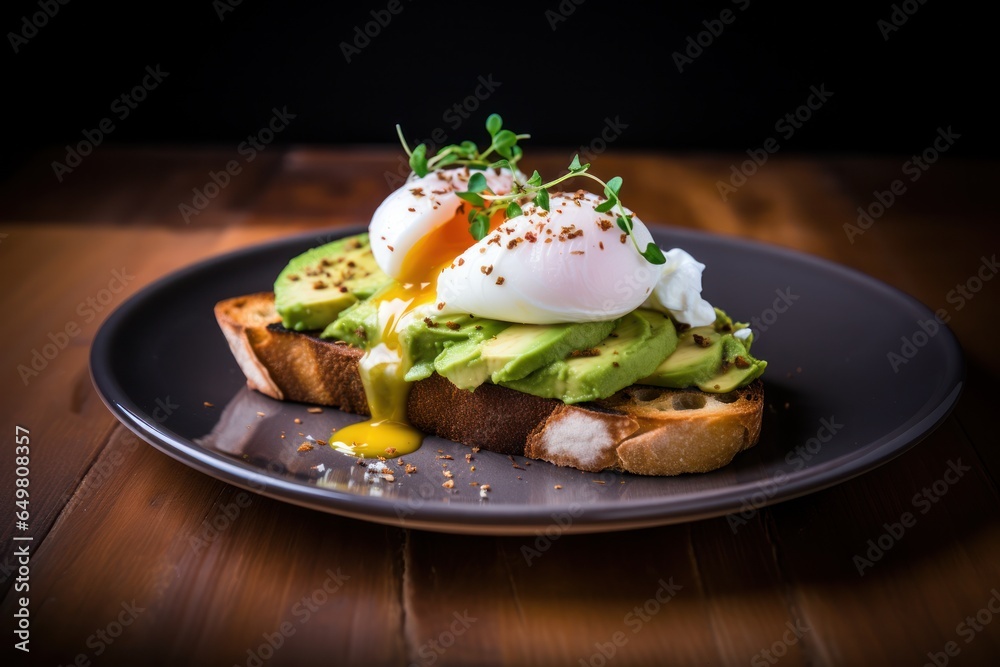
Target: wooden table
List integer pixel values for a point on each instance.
(114, 578)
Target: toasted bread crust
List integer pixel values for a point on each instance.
(643, 430)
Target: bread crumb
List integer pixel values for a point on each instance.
(447, 473)
(314, 411)
(390, 450)
(449, 484)
(472, 468)
(305, 447)
(558, 487)
(475, 450)
(410, 469)
(445, 456)
(297, 420)
(260, 414)
(209, 405)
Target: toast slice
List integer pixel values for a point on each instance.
(641, 429)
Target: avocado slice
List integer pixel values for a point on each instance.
(634, 348)
(517, 350)
(737, 369)
(450, 346)
(708, 359)
(317, 285)
(356, 324)
(697, 359)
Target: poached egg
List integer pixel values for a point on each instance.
(567, 264)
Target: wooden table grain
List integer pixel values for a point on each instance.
(126, 568)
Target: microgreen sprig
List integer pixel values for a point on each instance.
(485, 202)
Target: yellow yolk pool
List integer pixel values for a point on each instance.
(388, 433)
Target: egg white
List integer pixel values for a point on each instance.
(418, 208)
(567, 264)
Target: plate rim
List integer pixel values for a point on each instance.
(483, 518)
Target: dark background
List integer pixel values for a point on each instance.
(605, 60)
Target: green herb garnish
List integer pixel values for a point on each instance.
(485, 202)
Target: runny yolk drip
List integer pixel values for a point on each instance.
(388, 433)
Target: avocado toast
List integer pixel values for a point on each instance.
(488, 307)
(630, 394)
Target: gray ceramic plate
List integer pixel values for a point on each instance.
(835, 405)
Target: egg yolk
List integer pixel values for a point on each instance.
(388, 433)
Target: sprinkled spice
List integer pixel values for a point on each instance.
(417, 192)
(702, 341)
(623, 238)
(741, 362)
(430, 323)
(592, 352)
(454, 326)
(486, 270)
(500, 280)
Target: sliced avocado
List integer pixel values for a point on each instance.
(318, 284)
(636, 346)
(737, 369)
(355, 324)
(516, 350)
(524, 348)
(697, 359)
(450, 346)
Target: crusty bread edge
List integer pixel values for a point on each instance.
(636, 430)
